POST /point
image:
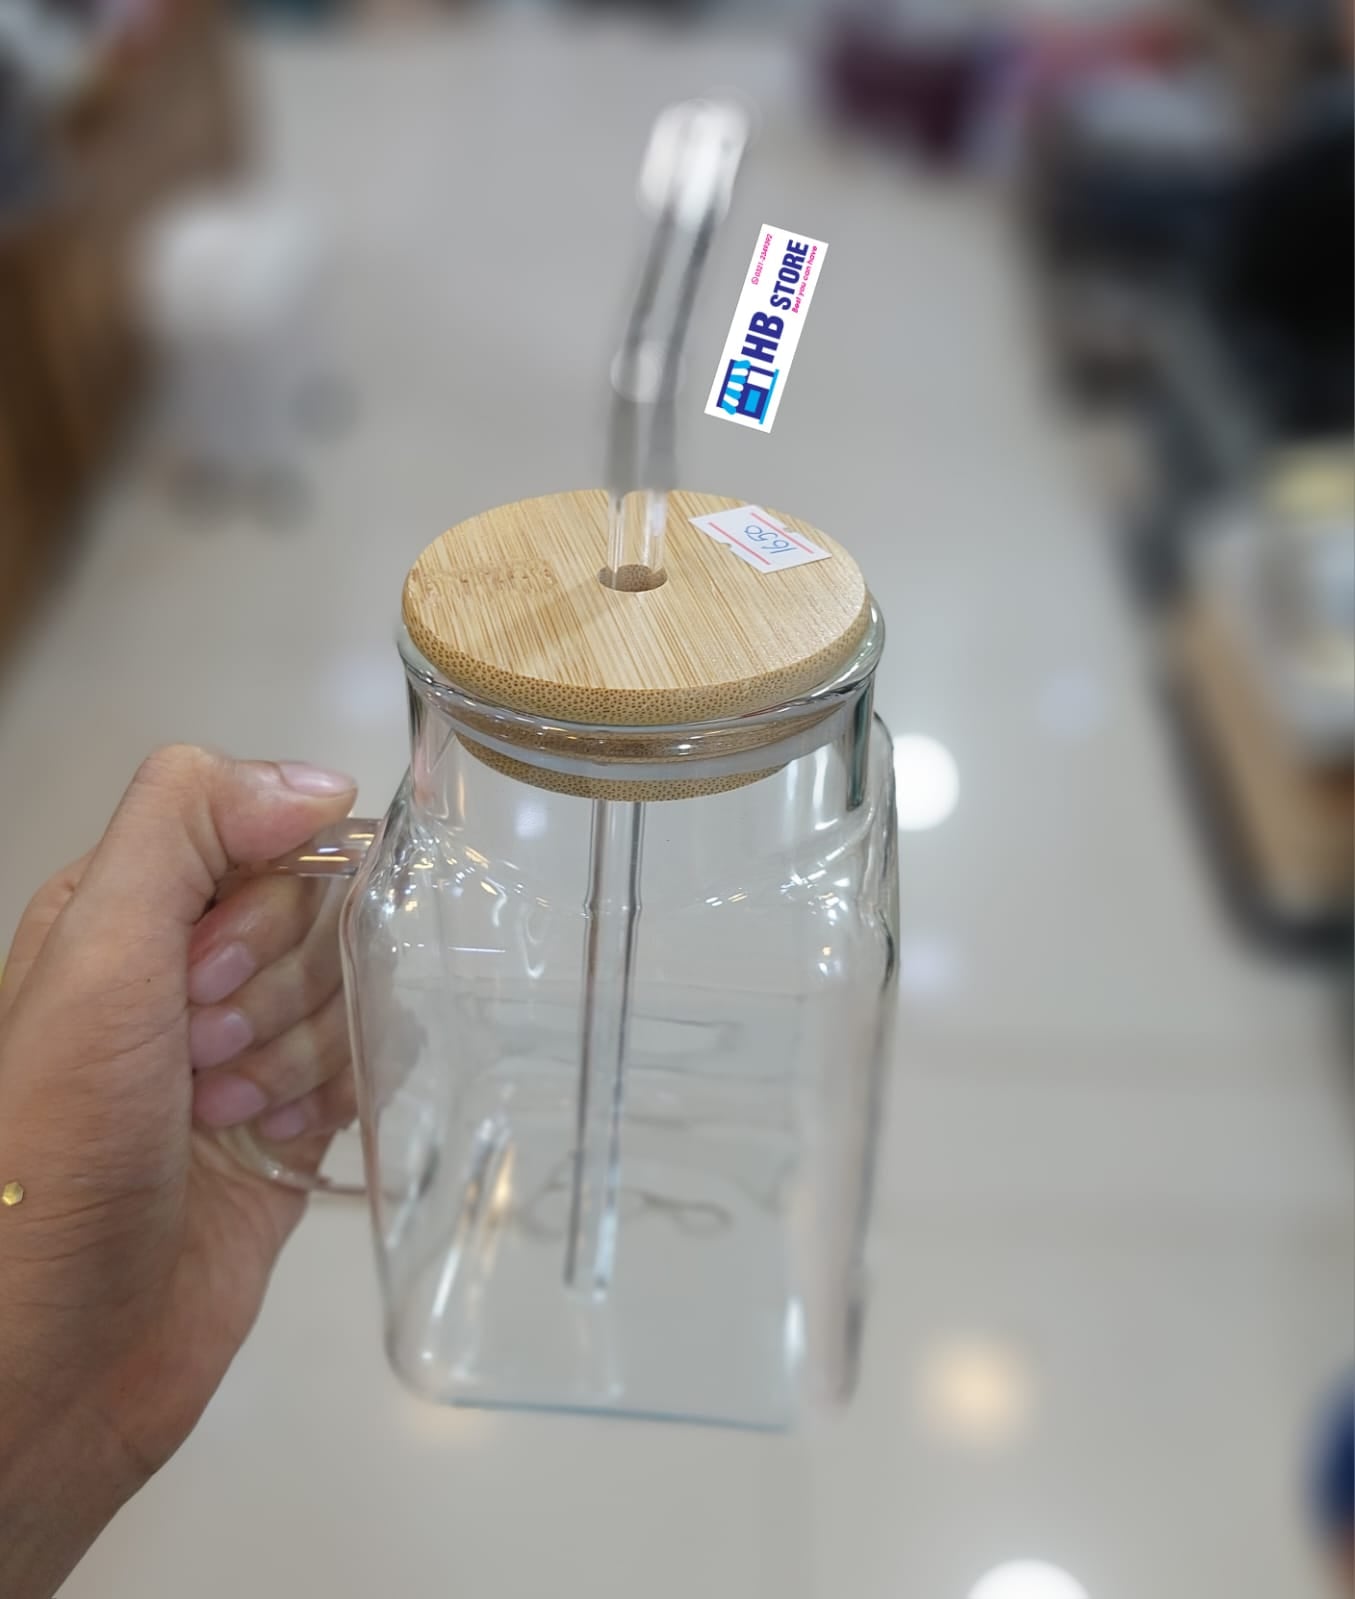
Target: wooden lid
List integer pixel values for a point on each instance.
(509, 606)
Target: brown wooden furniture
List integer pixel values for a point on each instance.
(164, 117)
(1293, 827)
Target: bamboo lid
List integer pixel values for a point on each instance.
(510, 607)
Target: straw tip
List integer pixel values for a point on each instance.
(693, 158)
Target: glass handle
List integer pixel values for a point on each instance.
(336, 852)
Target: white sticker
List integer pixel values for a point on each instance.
(751, 377)
(759, 539)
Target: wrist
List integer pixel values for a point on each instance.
(63, 1477)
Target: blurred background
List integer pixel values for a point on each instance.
(288, 287)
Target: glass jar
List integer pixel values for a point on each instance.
(744, 1119)
(619, 1000)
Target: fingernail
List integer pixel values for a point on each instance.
(315, 780)
(225, 1100)
(219, 973)
(216, 1036)
(280, 1125)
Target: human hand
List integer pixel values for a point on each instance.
(137, 1259)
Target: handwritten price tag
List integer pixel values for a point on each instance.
(756, 537)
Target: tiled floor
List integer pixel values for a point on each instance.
(1115, 1202)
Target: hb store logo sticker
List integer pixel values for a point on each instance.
(750, 378)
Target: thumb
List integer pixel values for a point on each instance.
(34, 925)
(187, 819)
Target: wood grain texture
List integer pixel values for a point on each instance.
(510, 607)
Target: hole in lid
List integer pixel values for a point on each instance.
(634, 579)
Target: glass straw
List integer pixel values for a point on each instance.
(688, 174)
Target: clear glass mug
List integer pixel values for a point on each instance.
(619, 1101)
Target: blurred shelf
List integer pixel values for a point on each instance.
(160, 117)
(1281, 833)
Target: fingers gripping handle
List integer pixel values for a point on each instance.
(337, 852)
